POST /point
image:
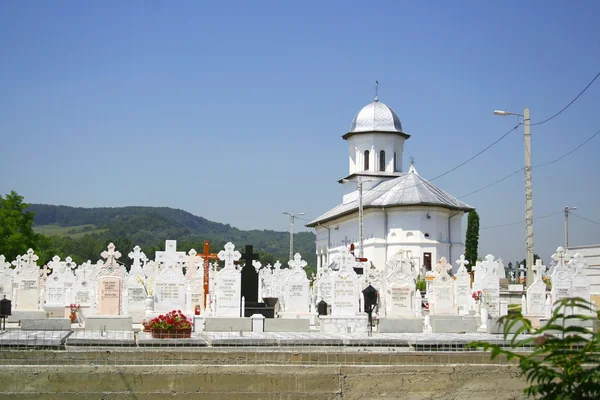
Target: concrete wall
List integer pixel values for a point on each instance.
(250, 381)
(265, 382)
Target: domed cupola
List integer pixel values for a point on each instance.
(375, 143)
(376, 117)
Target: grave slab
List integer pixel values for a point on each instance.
(493, 327)
(344, 324)
(400, 325)
(453, 324)
(228, 324)
(20, 315)
(287, 325)
(33, 338)
(108, 323)
(46, 324)
(97, 338)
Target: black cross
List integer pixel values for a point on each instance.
(249, 276)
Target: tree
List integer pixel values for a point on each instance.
(16, 226)
(472, 239)
(561, 359)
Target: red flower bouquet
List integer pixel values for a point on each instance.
(171, 325)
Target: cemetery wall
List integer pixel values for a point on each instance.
(492, 382)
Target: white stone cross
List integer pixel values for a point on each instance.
(31, 257)
(578, 263)
(70, 264)
(489, 265)
(256, 264)
(136, 255)
(229, 255)
(277, 265)
(3, 264)
(18, 263)
(538, 269)
(443, 266)
(512, 276)
(191, 261)
(111, 255)
(345, 258)
(170, 257)
(462, 263)
(45, 271)
(298, 262)
(559, 256)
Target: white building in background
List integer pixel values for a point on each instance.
(591, 254)
(402, 210)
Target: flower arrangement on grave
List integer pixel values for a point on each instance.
(171, 325)
(75, 308)
(547, 281)
(523, 281)
(147, 284)
(477, 295)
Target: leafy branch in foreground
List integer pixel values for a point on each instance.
(565, 359)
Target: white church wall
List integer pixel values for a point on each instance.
(374, 143)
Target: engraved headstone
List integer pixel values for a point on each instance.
(462, 286)
(6, 279)
(249, 276)
(560, 278)
(490, 286)
(228, 284)
(110, 283)
(345, 286)
(536, 292)
(580, 283)
(442, 301)
(28, 296)
(297, 287)
(399, 288)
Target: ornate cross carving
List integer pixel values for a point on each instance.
(110, 255)
(229, 255)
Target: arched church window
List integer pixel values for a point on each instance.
(366, 160)
(395, 166)
(382, 160)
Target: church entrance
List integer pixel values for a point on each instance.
(427, 261)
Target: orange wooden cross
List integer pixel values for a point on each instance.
(207, 257)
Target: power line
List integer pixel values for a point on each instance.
(588, 220)
(568, 105)
(520, 222)
(535, 166)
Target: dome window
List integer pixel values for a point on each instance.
(366, 160)
(382, 160)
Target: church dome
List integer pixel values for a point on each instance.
(376, 117)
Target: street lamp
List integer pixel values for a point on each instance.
(292, 218)
(528, 189)
(567, 210)
(359, 187)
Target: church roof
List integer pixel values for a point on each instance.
(376, 117)
(409, 189)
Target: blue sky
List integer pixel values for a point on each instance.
(234, 111)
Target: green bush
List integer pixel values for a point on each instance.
(565, 361)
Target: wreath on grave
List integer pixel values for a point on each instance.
(173, 325)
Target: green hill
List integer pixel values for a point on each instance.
(83, 233)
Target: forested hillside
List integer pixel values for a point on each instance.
(83, 233)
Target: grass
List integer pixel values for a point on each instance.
(71, 231)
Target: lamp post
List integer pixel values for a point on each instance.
(528, 189)
(567, 210)
(359, 187)
(292, 218)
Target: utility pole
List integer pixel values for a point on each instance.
(360, 218)
(292, 218)
(528, 195)
(567, 210)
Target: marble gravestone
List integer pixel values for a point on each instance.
(170, 290)
(580, 283)
(297, 289)
(28, 295)
(478, 274)
(536, 292)
(490, 286)
(462, 286)
(83, 293)
(345, 315)
(442, 301)
(64, 270)
(194, 276)
(55, 292)
(6, 279)
(324, 285)
(560, 278)
(110, 284)
(136, 292)
(228, 285)
(170, 258)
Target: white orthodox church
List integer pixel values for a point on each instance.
(401, 210)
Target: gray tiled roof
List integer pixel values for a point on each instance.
(410, 189)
